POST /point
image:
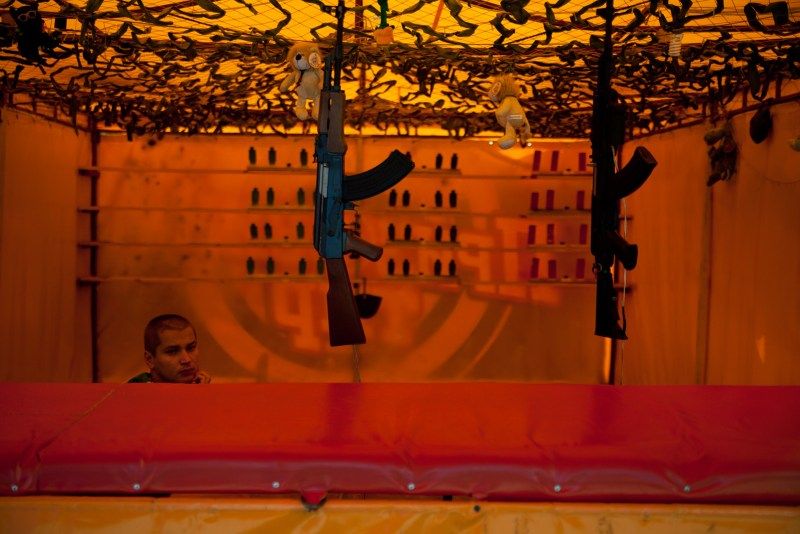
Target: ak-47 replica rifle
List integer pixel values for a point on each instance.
(336, 192)
(609, 187)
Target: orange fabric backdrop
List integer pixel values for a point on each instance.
(44, 320)
(747, 231)
(754, 336)
(191, 213)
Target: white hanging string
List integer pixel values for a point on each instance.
(621, 343)
(356, 364)
(624, 292)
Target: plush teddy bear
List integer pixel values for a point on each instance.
(509, 112)
(306, 78)
(722, 153)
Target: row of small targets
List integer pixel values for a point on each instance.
(552, 269)
(272, 157)
(437, 233)
(439, 162)
(583, 234)
(270, 266)
(554, 161)
(300, 231)
(405, 267)
(255, 197)
(438, 199)
(550, 201)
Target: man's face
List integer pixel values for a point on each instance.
(175, 359)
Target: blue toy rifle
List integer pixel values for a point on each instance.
(336, 192)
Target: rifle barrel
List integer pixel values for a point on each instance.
(339, 49)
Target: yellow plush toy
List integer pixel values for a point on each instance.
(306, 78)
(509, 112)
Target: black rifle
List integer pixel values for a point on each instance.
(609, 187)
(336, 192)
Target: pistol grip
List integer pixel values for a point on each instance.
(353, 243)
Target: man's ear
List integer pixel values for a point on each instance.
(149, 360)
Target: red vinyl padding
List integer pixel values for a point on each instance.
(485, 440)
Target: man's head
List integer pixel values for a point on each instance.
(170, 349)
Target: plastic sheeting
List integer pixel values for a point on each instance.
(253, 514)
(485, 440)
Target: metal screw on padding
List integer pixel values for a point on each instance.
(14, 488)
(276, 485)
(557, 488)
(411, 486)
(136, 486)
(687, 488)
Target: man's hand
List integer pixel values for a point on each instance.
(202, 378)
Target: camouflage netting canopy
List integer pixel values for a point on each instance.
(215, 66)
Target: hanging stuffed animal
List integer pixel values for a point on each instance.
(306, 78)
(722, 153)
(509, 113)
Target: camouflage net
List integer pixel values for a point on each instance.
(206, 66)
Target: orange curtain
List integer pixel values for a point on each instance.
(755, 266)
(40, 309)
(717, 289)
(667, 224)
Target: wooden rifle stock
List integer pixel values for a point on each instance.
(344, 323)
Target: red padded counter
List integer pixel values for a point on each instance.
(487, 440)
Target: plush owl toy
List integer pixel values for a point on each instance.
(509, 113)
(305, 78)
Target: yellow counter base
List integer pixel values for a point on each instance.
(226, 514)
